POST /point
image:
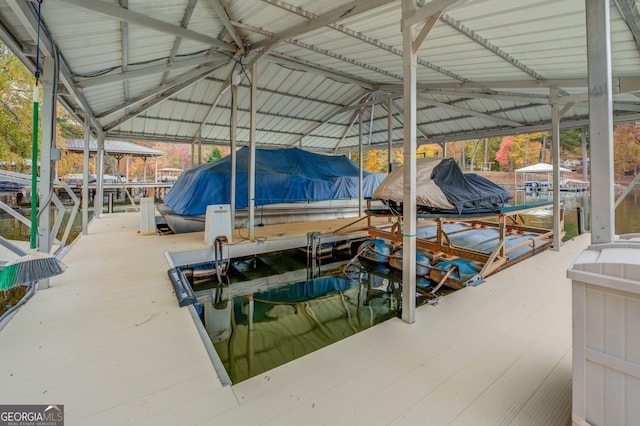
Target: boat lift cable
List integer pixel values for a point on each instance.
(366, 245)
(222, 263)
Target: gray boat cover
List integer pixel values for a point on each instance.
(442, 187)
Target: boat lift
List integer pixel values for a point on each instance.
(509, 221)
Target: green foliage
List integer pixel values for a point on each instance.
(69, 128)
(571, 141)
(214, 155)
(16, 108)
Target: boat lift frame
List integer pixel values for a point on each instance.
(508, 221)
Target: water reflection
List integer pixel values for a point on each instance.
(254, 332)
(627, 219)
(573, 202)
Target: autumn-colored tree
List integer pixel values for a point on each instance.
(504, 154)
(429, 150)
(520, 150)
(626, 152)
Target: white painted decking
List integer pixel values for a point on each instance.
(109, 341)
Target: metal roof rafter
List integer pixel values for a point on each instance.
(136, 18)
(182, 121)
(351, 9)
(124, 45)
(490, 85)
(629, 12)
(363, 37)
(223, 15)
(159, 96)
(463, 29)
(321, 51)
(496, 96)
(345, 59)
(155, 92)
(225, 86)
(400, 109)
(154, 69)
(332, 114)
(184, 23)
(227, 108)
(327, 72)
(261, 89)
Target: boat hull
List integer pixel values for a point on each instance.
(267, 215)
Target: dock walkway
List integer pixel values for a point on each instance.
(109, 341)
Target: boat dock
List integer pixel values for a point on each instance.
(109, 341)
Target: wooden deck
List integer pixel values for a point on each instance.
(109, 341)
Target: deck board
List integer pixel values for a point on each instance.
(109, 341)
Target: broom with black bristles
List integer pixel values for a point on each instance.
(35, 265)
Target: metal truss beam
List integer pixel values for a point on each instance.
(631, 16)
(159, 96)
(325, 52)
(463, 29)
(131, 17)
(223, 15)
(364, 38)
(184, 23)
(350, 9)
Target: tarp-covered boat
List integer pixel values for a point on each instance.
(282, 176)
(441, 187)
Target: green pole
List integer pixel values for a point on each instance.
(34, 170)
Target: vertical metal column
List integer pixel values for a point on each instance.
(98, 197)
(600, 121)
(199, 146)
(555, 161)
(126, 167)
(85, 175)
(389, 134)
(155, 170)
(360, 162)
(252, 150)
(585, 168)
(233, 142)
(409, 65)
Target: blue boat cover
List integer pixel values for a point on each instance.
(282, 176)
(307, 290)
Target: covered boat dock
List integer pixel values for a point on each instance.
(337, 77)
(109, 341)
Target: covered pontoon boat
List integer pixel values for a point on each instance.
(291, 185)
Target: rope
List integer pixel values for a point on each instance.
(37, 72)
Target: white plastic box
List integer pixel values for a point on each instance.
(606, 334)
(217, 223)
(147, 216)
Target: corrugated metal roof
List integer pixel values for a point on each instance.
(114, 147)
(161, 70)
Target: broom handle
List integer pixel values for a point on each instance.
(34, 169)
